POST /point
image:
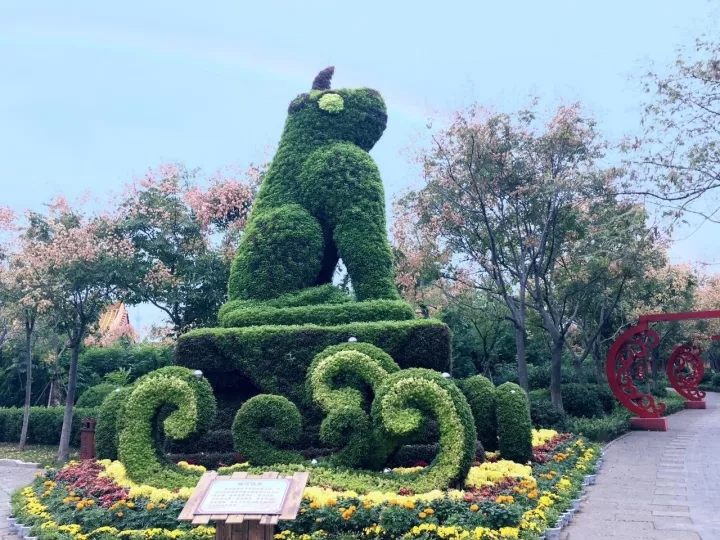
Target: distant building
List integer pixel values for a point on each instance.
(113, 326)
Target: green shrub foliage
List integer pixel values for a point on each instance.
(312, 296)
(581, 400)
(513, 421)
(112, 411)
(107, 428)
(139, 359)
(339, 380)
(403, 401)
(320, 200)
(380, 357)
(262, 424)
(276, 358)
(45, 424)
(95, 395)
(544, 414)
(201, 389)
(144, 462)
(323, 314)
(480, 394)
(715, 380)
(281, 252)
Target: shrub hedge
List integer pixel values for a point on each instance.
(203, 392)
(339, 383)
(94, 396)
(280, 252)
(45, 424)
(602, 429)
(514, 425)
(276, 359)
(383, 359)
(322, 294)
(544, 414)
(401, 402)
(144, 461)
(323, 314)
(109, 423)
(140, 359)
(581, 400)
(480, 394)
(715, 380)
(112, 413)
(263, 423)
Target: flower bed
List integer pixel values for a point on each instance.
(500, 499)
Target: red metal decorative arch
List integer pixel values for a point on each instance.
(628, 358)
(685, 370)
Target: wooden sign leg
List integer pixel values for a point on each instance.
(222, 531)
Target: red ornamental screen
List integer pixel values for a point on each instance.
(628, 361)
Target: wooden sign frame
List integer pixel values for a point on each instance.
(245, 526)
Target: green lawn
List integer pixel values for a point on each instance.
(35, 453)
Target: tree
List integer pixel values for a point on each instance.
(184, 237)
(7, 227)
(475, 180)
(511, 207)
(76, 265)
(600, 270)
(678, 154)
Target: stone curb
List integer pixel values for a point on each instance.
(608, 445)
(18, 463)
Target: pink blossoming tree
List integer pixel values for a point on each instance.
(72, 267)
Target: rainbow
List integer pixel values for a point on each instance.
(204, 52)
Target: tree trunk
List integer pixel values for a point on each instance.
(579, 372)
(555, 374)
(655, 367)
(64, 449)
(55, 395)
(599, 364)
(29, 326)
(521, 359)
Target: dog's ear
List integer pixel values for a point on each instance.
(322, 81)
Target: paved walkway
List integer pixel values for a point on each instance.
(658, 485)
(11, 478)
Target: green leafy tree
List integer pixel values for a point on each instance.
(676, 161)
(183, 232)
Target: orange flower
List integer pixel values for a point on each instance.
(474, 508)
(422, 515)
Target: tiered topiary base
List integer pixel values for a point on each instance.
(267, 347)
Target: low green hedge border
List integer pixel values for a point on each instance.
(45, 424)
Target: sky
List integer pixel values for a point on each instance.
(92, 93)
